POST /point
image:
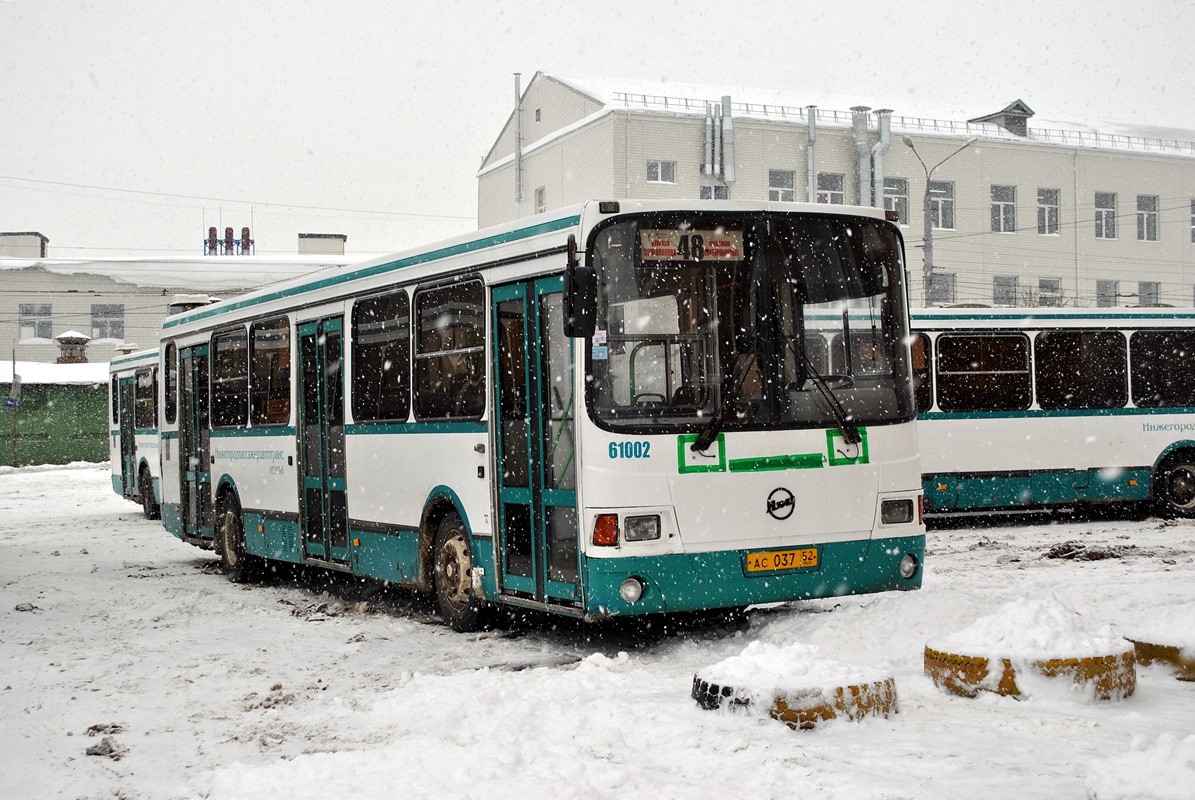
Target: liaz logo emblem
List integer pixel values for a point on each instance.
(781, 503)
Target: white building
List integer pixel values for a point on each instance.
(1022, 211)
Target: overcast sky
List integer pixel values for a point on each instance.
(129, 127)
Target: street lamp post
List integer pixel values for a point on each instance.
(928, 234)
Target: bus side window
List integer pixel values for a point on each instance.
(270, 359)
(923, 387)
(1081, 369)
(450, 356)
(983, 372)
(230, 380)
(1162, 374)
(382, 358)
(171, 383)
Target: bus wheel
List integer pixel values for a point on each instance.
(145, 492)
(453, 569)
(238, 566)
(1175, 494)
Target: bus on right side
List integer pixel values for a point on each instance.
(1051, 408)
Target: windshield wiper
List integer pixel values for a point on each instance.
(850, 431)
(710, 432)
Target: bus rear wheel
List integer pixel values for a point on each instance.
(1175, 495)
(452, 567)
(237, 565)
(145, 493)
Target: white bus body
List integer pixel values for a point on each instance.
(423, 419)
(1050, 407)
(133, 429)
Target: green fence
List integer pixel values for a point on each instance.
(56, 424)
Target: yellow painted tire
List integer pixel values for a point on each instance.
(803, 709)
(1112, 677)
(1150, 652)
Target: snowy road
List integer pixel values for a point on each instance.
(222, 691)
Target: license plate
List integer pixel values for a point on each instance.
(777, 560)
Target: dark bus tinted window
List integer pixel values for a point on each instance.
(271, 372)
(145, 399)
(382, 358)
(171, 383)
(1081, 369)
(230, 380)
(1163, 368)
(450, 352)
(923, 387)
(983, 372)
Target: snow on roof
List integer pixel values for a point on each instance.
(32, 372)
(211, 273)
(687, 98)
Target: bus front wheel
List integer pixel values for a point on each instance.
(237, 565)
(453, 577)
(1175, 495)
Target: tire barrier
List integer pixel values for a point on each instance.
(1110, 677)
(804, 709)
(1182, 659)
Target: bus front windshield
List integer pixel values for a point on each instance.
(748, 323)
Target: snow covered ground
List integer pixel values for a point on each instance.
(207, 689)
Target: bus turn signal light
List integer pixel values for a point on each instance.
(605, 530)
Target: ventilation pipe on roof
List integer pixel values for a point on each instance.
(862, 154)
(810, 175)
(707, 158)
(727, 142)
(716, 143)
(518, 140)
(884, 123)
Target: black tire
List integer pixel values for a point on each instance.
(145, 491)
(237, 565)
(452, 567)
(1174, 488)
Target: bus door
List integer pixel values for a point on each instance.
(537, 465)
(194, 442)
(321, 441)
(128, 433)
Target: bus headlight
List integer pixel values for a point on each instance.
(631, 590)
(641, 529)
(908, 566)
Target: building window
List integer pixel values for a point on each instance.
(831, 188)
(896, 198)
(537, 115)
(1004, 290)
(1049, 292)
(941, 289)
(1106, 293)
(1004, 209)
(35, 321)
(661, 172)
(1105, 215)
(541, 204)
(715, 193)
(1149, 293)
(107, 321)
(780, 185)
(941, 204)
(1147, 217)
(1047, 212)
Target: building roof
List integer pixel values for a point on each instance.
(198, 273)
(834, 110)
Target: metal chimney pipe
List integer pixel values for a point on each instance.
(518, 140)
(810, 174)
(727, 142)
(884, 123)
(862, 154)
(707, 156)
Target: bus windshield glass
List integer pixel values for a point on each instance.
(758, 322)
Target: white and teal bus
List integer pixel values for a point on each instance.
(1047, 407)
(133, 429)
(607, 410)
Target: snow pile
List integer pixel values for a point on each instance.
(763, 671)
(1174, 629)
(1032, 629)
(1161, 769)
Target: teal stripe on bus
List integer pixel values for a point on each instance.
(346, 277)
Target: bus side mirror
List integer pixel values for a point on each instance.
(580, 295)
